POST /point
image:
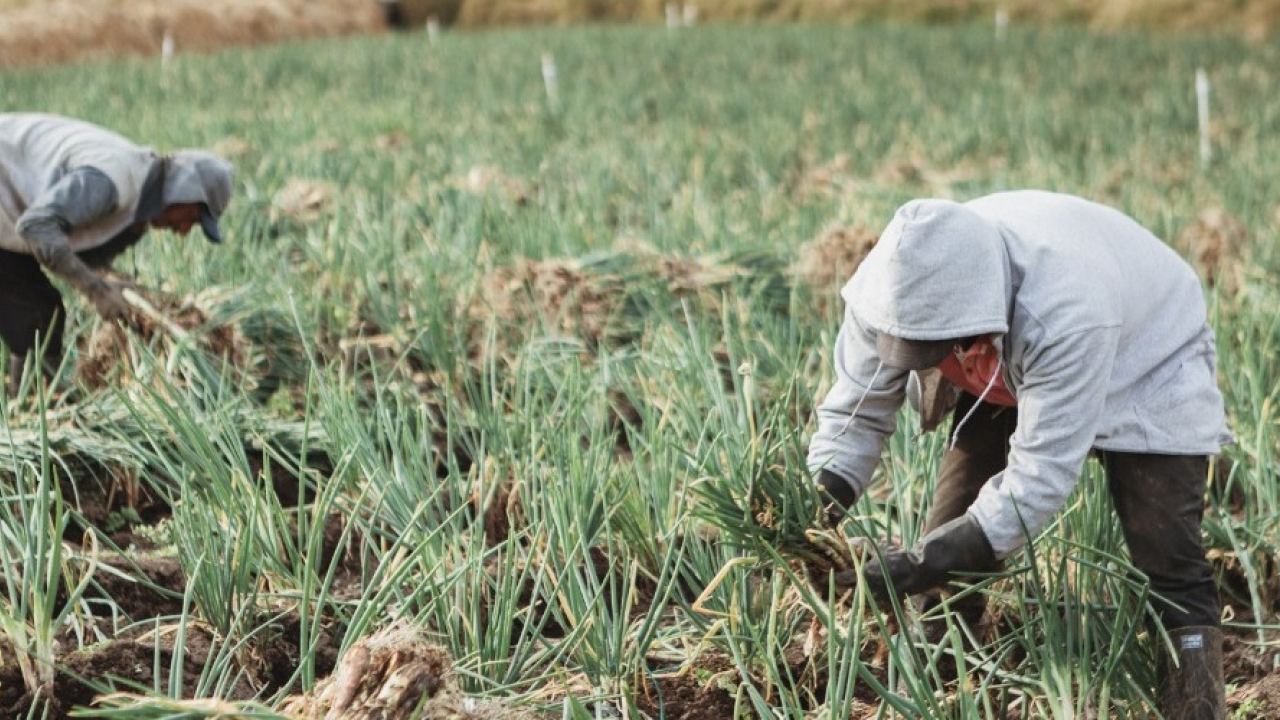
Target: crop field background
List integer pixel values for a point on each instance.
(494, 402)
(34, 32)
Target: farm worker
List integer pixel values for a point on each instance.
(73, 196)
(1067, 329)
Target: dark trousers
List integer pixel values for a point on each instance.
(31, 313)
(1159, 498)
(31, 310)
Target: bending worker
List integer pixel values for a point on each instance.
(1067, 329)
(73, 196)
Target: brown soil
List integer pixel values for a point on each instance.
(1260, 699)
(1233, 582)
(604, 570)
(145, 589)
(130, 659)
(112, 500)
(115, 502)
(153, 587)
(686, 697)
(50, 32)
(689, 693)
(1252, 680)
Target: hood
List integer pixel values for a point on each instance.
(198, 177)
(939, 271)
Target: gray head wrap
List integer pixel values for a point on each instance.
(200, 178)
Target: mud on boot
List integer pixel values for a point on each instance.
(1191, 682)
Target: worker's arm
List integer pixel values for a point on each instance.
(1060, 404)
(81, 197)
(856, 416)
(1059, 408)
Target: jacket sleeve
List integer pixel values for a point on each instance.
(1060, 403)
(78, 198)
(843, 444)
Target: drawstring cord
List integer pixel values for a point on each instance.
(866, 391)
(955, 434)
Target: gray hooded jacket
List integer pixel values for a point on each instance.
(1102, 331)
(68, 181)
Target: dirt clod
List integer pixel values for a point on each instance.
(1217, 242)
(829, 260)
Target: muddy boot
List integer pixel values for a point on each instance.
(1194, 690)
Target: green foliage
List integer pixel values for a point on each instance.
(540, 497)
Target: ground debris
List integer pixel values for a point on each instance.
(482, 180)
(225, 326)
(160, 321)
(602, 299)
(568, 303)
(394, 673)
(303, 201)
(828, 179)
(828, 261)
(1217, 244)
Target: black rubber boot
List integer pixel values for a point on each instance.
(1193, 688)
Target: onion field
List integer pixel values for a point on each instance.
(495, 401)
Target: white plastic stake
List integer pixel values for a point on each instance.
(166, 59)
(433, 29)
(1202, 111)
(1002, 21)
(673, 16)
(166, 49)
(549, 80)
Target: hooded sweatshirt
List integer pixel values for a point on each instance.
(1101, 329)
(64, 180)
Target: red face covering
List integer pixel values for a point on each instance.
(974, 371)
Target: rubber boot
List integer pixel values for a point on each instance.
(1193, 689)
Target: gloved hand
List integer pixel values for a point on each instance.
(959, 546)
(109, 301)
(837, 496)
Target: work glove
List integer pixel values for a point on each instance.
(959, 546)
(837, 496)
(109, 301)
